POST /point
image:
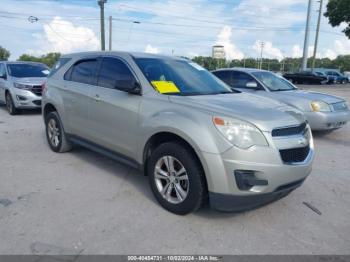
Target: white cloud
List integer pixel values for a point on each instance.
(342, 46)
(269, 50)
(297, 51)
(151, 49)
(63, 36)
(192, 54)
(250, 20)
(330, 54)
(224, 39)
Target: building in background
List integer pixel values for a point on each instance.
(218, 52)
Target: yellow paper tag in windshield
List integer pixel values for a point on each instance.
(164, 87)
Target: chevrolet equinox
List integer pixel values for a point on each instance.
(196, 139)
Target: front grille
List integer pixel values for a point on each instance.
(37, 90)
(288, 131)
(294, 155)
(340, 106)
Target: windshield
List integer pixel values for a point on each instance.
(273, 82)
(179, 77)
(27, 70)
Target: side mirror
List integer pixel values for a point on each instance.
(136, 90)
(130, 86)
(252, 85)
(3, 76)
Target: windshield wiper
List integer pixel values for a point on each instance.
(235, 90)
(226, 92)
(276, 90)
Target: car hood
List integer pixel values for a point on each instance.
(265, 113)
(302, 94)
(30, 80)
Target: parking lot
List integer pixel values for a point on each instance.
(83, 203)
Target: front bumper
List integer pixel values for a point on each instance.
(279, 178)
(231, 203)
(327, 120)
(24, 99)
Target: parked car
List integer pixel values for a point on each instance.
(347, 74)
(339, 78)
(323, 112)
(21, 85)
(306, 77)
(331, 78)
(193, 136)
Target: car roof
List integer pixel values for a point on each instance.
(241, 69)
(21, 62)
(133, 54)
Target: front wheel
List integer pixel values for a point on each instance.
(11, 108)
(55, 134)
(176, 178)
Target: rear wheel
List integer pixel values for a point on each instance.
(176, 178)
(11, 108)
(55, 134)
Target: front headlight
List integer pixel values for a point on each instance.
(320, 106)
(22, 86)
(240, 133)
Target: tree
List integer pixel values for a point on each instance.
(4, 53)
(338, 11)
(49, 59)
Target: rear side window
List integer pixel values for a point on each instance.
(224, 76)
(84, 71)
(61, 62)
(113, 71)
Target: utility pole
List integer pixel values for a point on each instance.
(262, 44)
(306, 40)
(110, 33)
(317, 32)
(101, 3)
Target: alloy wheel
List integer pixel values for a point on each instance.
(53, 132)
(171, 179)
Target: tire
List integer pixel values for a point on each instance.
(10, 106)
(182, 196)
(56, 137)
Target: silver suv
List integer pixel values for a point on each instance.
(21, 85)
(195, 138)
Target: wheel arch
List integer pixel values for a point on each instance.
(166, 136)
(48, 108)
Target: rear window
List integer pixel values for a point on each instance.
(61, 62)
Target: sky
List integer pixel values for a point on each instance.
(171, 27)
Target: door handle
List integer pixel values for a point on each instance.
(97, 98)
